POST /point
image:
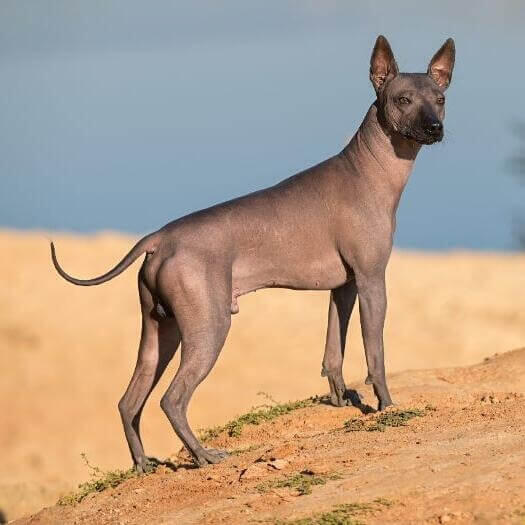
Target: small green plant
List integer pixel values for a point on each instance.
(383, 501)
(392, 418)
(345, 514)
(354, 425)
(100, 480)
(256, 416)
(301, 482)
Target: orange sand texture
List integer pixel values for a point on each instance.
(67, 353)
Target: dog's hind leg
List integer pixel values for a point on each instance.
(159, 340)
(342, 302)
(204, 319)
(199, 353)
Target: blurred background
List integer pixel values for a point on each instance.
(119, 116)
(126, 114)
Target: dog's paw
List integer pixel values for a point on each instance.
(337, 391)
(147, 465)
(210, 456)
(385, 406)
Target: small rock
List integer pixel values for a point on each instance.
(253, 471)
(278, 464)
(279, 452)
(445, 518)
(320, 468)
(138, 491)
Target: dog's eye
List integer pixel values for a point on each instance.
(441, 100)
(403, 100)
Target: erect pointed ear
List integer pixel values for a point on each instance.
(442, 64)
(383, 65)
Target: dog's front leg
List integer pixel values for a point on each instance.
(342, 302)
(372, 308)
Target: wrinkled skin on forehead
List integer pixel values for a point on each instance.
(426, 106)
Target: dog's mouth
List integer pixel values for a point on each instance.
(428, 140)
(421, 137)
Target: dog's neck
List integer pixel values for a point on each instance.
(385, 160)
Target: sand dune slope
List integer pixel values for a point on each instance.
(462, 461)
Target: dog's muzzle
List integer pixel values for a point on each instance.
(434, 130)
(426, 136)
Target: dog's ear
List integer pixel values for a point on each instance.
(442, 64)
(383, 65)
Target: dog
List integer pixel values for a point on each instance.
(329, 227)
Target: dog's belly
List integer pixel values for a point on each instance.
(321, 273)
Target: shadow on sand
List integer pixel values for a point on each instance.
(355, 400)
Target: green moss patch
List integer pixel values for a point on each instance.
(391, 418)
(301, 482)
(100, 480)
(256, 416)
(345, 514)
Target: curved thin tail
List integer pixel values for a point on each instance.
(147, 244)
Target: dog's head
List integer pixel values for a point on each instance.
(412, 104)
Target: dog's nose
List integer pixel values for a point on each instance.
(434, 128)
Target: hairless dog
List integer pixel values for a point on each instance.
(327, 228)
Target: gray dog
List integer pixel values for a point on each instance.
(327, 228)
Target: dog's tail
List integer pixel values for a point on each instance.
(147, 244)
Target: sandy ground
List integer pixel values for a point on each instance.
(462, 462)
(67, 353)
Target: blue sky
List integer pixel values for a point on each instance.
(124, 115)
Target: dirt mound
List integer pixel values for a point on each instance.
(450, 451)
